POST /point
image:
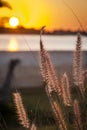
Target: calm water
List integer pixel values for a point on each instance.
(31, 42)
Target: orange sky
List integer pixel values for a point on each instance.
(52, 13)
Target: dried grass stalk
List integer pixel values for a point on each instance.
(77, 62)
(42, 61)
(47, 70)
(66, 90)
(82, 86)
(78, 122)
(22, 116)
(57, 112)
(77, 67)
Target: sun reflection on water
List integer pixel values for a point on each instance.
(13, 45)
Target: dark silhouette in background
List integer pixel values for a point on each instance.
(8, 80)
(5, 4)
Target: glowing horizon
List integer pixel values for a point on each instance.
(52, 13)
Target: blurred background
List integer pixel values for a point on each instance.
(20, 24)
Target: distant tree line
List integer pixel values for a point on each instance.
(22, 30)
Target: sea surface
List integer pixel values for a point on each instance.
(31, 42)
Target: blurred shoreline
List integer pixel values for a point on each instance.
(27, 73)
(22, 30)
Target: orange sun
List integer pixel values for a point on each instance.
(14, 21)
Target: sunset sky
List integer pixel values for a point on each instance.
(52, 13)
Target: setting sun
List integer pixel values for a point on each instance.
(14, 21)
(13, 45)
(55, 14)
